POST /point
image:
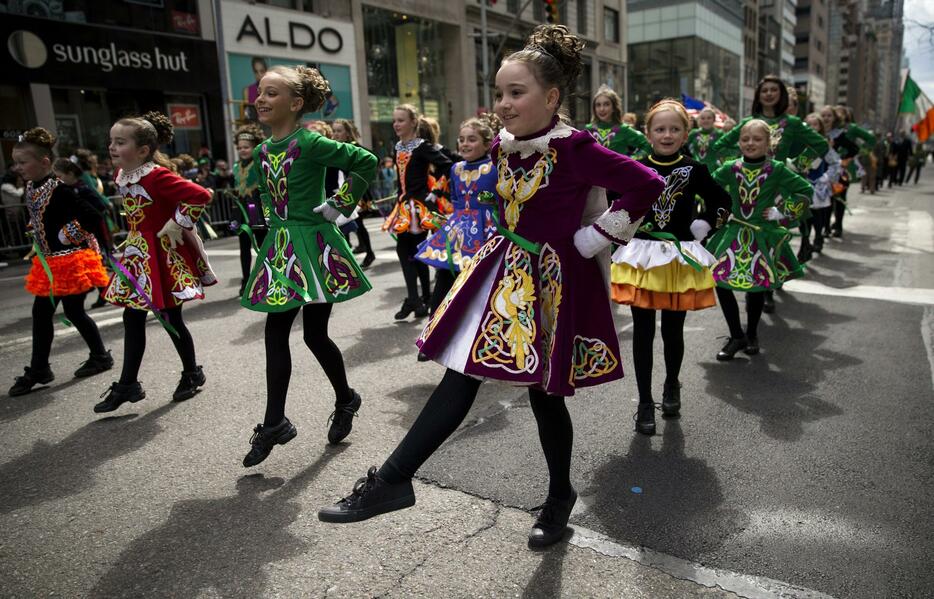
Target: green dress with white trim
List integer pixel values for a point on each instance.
(304, 258)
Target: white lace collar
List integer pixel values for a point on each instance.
(527, 147)
(133, 176)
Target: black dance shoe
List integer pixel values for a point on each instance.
(408, 306)
(368, 261)
(118, 395)
(552, 521)
(371, 496)
(189, 383)
(421, 309)
(31, 377)
(729, 350)
(265, 438)
(671, 400)
(341, 419)
(645, 418)
(423, 358)
(768, 303)
(359, 250)
(752, 347)
(95, 364)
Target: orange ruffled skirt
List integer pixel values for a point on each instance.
(652, 275)
(74, 273)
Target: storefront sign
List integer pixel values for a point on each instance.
(58, 53)
(185, 116)
(185, 22)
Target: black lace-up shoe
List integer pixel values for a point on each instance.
(645, 418)
(117, 395)
(31, 377)
(408, 306)
(671, 400)
(552, 521)
(265, 438)
(729, 350)
(95, 364)
(341, 419)
(421, 308)
(752, 346)
(371, 496)
(189, 383)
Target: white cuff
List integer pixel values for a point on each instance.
(589, 241)
(699, 229)
(774, 214)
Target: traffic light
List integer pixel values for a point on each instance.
(551, 10)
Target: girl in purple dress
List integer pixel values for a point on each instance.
(531, 308)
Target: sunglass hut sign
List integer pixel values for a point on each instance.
(107, 58)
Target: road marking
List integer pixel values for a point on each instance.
(927, 335)
(744, 585)
(913, 233)
(903, 295)
(68, 331)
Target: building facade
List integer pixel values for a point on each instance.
(693, 48)
(77, 71)
(751, 39)
(811, 47)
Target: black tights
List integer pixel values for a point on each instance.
(134, 341)
(246, 246)
(839, 210)
(43, 327)
(643, 338)
(754, 302)
(279, 358)
(445, 411)
(444, 280)
(413, 270)
(364, 236)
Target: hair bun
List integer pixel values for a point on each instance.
(39, 136)
(315, 88)
(563, 46)
(492, 121)
(165, 132)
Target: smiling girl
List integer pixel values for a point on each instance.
(665, 267)
(701, 140)
(67, 261)
(163, 264)
(752, 249)
(608, 128)
(531, 308)
(305, 264)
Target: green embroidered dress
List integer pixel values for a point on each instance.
(790, 138)
(621, 138)
(753, 253)
(700, 148)
(304, 258)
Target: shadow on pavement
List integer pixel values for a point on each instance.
(779, 386)
(676, 509)
(546, 580)
(50, 472)
(218, 545)
(379, 343)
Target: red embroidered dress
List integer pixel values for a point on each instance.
(167, 276)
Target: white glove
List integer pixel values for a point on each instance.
(699, 229)
(328, 212)
(774, 214)
(343, 220)
(173, 231)
(589, 242)
(62, 239)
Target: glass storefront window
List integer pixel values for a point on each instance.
(167, 16)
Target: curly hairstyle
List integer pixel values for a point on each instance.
(38, 141)
(668, 105)
(486, 125)
(782, 105)
(251, 133)
(616, 117)
(151, 130)
(65, 165)
(554, 56)
(186, 162)
(306, 83)
(85, 157)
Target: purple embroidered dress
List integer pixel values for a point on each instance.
(529, 309)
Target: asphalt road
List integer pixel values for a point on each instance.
(809, 464)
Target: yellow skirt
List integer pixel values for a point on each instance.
(673, 286)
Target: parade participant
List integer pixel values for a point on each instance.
(630, 119)
(70, 174)
(531, 309)
(163, 263)
(665, 267)
(89, 164)
(412, 216)
(790, 136)
(345, 131)
(305, 263)
(452, 248)
(252, 228)
(848, 140)
(608, 128)
(701, 139)
(66, 264)
(822, 173)
(752, 248)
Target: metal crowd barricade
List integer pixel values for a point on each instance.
(14, 220)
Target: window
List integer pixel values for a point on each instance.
(611, 25)
(582, 16)
(820, 22)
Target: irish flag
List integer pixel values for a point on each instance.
(918, 109)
